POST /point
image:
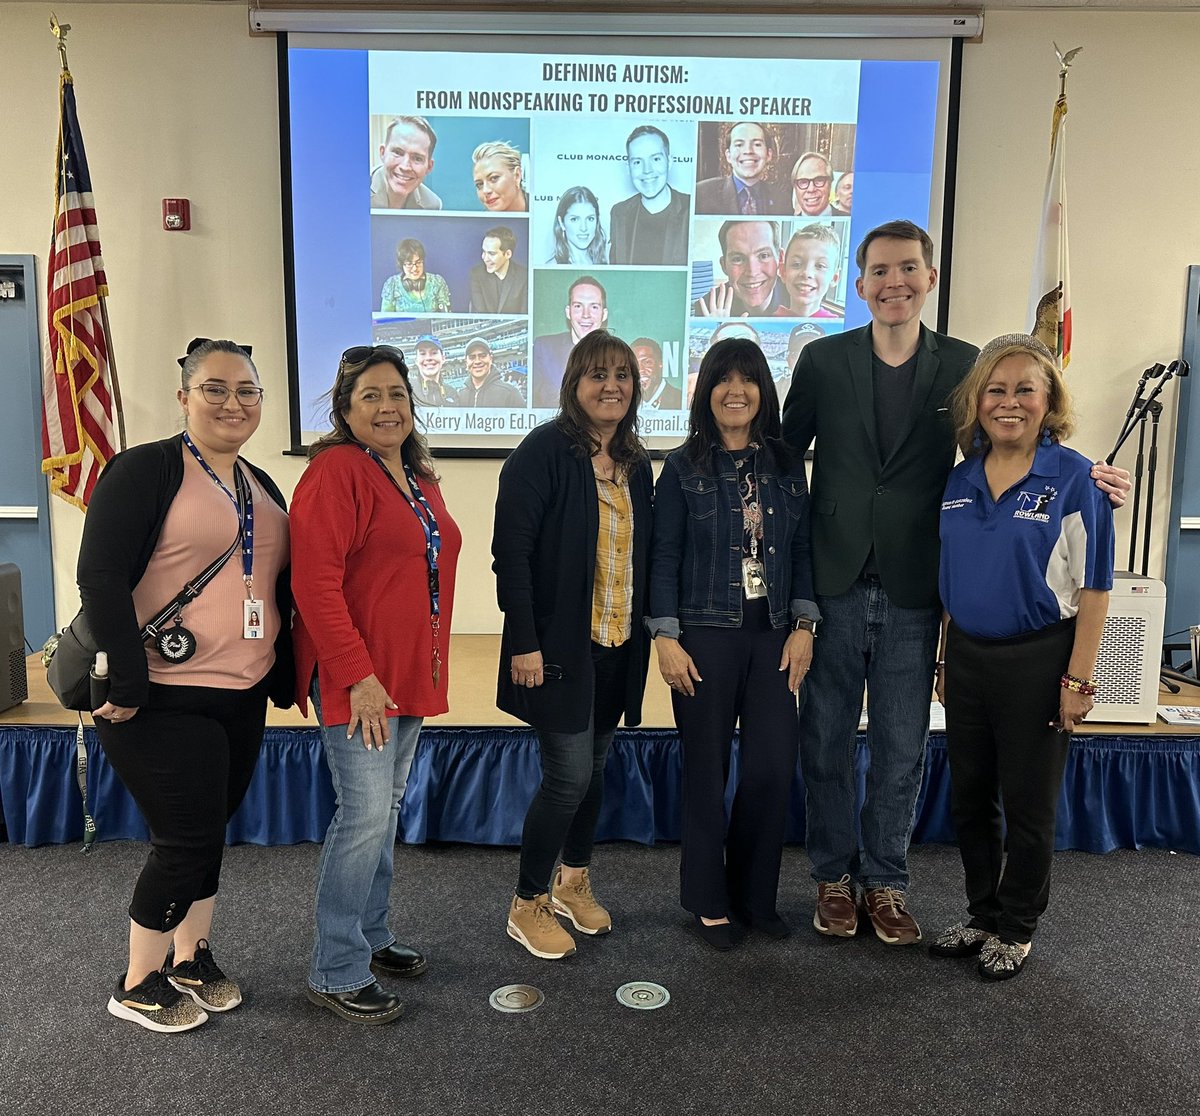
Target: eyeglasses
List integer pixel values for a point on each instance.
(356, 354)
(218, 393)
(821, 181)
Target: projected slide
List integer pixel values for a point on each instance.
(485, 212)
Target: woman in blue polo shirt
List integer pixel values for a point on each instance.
(1027, 563)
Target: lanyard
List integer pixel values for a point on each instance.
(243, 504)
(433, 549)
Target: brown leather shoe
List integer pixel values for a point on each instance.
(893, 924)
(837, 912)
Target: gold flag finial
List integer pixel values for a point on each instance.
(1064, 64)
(60, 33)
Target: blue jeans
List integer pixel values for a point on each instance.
(863, 637)
(354, 876)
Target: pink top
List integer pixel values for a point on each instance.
(361, 586)
(200, 524)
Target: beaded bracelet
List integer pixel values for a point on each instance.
(1085, 686)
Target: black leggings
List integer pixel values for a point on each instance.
(187, 759)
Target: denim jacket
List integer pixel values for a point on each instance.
(696, 554)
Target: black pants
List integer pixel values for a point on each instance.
(566, 807)
(1001, 696)
(187, 759)
(735, 869)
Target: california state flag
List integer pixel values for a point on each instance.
(1050, 291)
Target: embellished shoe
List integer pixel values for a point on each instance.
(1002, 960)
(959, 941)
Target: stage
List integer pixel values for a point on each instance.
(476, 769)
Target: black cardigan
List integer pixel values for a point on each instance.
(544, 548)
(121, 529)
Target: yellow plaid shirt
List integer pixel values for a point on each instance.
(612, 593)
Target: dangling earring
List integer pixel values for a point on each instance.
(1047, 439)
(977, 440)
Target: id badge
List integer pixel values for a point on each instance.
(252, 619)
(753, 583)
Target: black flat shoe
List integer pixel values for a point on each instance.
(397, 960)
(371, 1005)
(772, 925)
(719, 936)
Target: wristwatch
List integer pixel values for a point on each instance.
(804, 624)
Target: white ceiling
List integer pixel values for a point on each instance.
(710, 5)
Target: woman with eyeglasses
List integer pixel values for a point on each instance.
(571, 550)
(375, 558)
(414, 290)
(184, 719)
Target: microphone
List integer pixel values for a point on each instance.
(1152, 373)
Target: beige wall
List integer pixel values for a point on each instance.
(178, 100)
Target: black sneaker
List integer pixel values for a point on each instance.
(202, 979)
(155, 1005)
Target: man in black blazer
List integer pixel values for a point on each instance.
(499, 285)
(876, 401)
(652, 226)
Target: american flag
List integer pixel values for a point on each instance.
(78, 436)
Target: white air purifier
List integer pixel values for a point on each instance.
(1130, 651)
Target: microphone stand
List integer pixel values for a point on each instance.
(1151, 373)
(1137, 485)
(1154, 407)
(1136, 416)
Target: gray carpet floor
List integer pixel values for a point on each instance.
(1104, 1019)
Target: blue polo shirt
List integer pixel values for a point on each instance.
(1017, 564)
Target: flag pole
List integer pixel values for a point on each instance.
(59, 30)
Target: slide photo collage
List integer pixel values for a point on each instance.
(497, 243)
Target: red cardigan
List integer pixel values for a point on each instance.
(361, 587)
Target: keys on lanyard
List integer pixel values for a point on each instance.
(418, 504)
(243, 503)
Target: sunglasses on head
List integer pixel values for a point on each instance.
(356, 354)
(196, 342)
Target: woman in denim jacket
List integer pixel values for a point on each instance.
(733, 619)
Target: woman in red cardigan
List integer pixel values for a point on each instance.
(375, 553)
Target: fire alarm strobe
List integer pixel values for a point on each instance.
(176, 214)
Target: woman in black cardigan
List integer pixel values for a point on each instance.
(571, 552)
(182, 727)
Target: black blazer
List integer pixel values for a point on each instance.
(623, 221)
(512, 296)
(858, 501)
(124, 519)
(543, 549)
